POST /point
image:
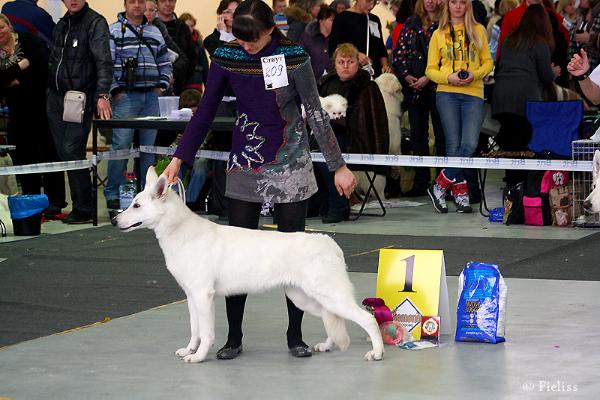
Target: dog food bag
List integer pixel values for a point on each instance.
(481, 311)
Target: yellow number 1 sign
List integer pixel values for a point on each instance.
(413, 284)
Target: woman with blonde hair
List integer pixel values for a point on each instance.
(458, 60)
(409, 60)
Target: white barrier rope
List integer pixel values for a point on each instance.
(361, 159)
(419, 161)
(46, 167)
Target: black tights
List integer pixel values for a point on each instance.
(291, 217)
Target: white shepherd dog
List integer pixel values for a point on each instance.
(207, 259)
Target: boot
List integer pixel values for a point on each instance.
(460, 192)
(437, 192)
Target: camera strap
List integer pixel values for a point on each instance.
(139, 36)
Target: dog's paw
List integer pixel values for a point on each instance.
(322, 347)
(373, 356)
(184, 351)
(193, 358)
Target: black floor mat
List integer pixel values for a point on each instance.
(57, 282)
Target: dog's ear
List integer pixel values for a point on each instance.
(151, 176)
(596, 162)
(160, 188)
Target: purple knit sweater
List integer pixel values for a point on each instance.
(269, 159)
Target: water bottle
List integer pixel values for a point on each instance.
(127, 191)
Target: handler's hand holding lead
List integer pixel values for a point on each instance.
(172, 170)
(345, 183)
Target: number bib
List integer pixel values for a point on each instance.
(274, 71)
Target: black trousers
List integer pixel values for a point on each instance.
(291, 218)
(71, 140)
(514, 135)
(418, 116)
(31, 134)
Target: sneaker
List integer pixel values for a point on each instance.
(438, 197)
(78, 217)
(462, 203)
(113, 204)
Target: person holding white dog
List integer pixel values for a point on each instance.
(269, 159)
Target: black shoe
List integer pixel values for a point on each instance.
(229, 353)
(53, 212)
(78, 217)
(113, 204)
(301, 351)
(334, 216)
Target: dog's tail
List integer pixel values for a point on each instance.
(335, 327)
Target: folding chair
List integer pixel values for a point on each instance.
(371, 188)
(555, 126)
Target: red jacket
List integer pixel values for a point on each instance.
(512, 19)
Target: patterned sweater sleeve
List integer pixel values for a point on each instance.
(306, 86)
(400, 55)
(198, 127)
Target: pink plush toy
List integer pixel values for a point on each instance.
(392, 332)
(377, 306)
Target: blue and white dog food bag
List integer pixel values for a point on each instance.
(481, 311)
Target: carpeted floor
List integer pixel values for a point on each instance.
(58, 282)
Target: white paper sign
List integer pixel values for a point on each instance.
(374, 29)
(274, 71)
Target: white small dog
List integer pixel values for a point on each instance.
(335, 105)
(207, 259)
(592, 203)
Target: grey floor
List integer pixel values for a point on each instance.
(551, 349)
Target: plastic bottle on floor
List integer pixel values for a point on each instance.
(127, 191)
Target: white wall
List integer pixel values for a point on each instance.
(203, 10)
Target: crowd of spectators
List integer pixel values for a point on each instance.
(450, 56)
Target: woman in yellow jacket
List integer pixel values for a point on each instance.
(458, 60)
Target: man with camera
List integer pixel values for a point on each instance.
(142, 72)
(80, 72)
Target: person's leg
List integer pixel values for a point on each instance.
(418, 116)
(291, 217)
(124, 107)
(448, 106)
(471, 120)
(436, 123)
(338, 207)
(71, 140)
(243, 214)
(148, 107)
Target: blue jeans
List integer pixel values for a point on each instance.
(461, 116)
(130, 105)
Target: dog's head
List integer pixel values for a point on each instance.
(388, 83)
(592, 203)
(148, 207)
(335, 105)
